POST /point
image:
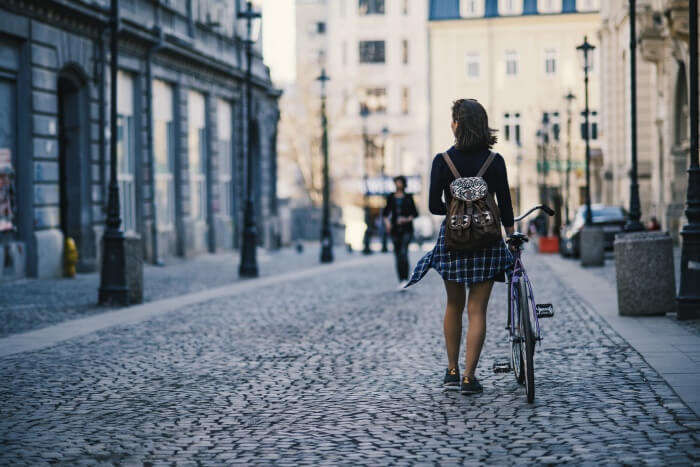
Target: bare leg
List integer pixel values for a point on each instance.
(456, 297)
(476, 308)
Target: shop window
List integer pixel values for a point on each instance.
(197, 156)
(164, 155)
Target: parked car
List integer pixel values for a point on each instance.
(611, 218)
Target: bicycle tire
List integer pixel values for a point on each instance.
(527, 345)
(516, 354)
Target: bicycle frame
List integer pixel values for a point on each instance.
(517, 275)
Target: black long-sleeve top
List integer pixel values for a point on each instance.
(468, 164)
(396, 208)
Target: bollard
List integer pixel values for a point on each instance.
(592, 246)
(646, 284)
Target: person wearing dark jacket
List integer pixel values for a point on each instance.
(399, 212)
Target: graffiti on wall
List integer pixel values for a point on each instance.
(7, 191)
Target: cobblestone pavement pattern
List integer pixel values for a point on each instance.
(339, 368)
(31, 304)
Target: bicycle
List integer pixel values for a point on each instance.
(522, 311)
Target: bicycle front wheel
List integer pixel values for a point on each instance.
(527, 342)
(516, 353)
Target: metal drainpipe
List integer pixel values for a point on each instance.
(151, 156)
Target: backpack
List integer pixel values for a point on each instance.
(473, 219)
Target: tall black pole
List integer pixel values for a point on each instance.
(326, 236)
(113, 285)
(249, 265)
(689, 292)
(586, 47)
(367, 239)
(633, 224)
(569, 99)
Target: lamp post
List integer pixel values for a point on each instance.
(249, 265)
(633, 224)
(585, 49)
(545, 162)
(689, 293)
(367, 250)
(385, 137)
(518, 163)
(326, 236)
(569, 99)
(113, 282)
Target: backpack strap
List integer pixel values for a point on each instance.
(483, 168)
(451, 165)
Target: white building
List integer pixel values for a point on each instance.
(375, 52)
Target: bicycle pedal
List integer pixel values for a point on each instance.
(544, 310)
(502, 367)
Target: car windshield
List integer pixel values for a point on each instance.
(605, 213)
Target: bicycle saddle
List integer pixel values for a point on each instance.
(518, 238)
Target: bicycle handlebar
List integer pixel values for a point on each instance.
(543, 207)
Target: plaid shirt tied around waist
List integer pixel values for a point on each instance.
(464, 267)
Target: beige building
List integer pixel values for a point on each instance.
(662, 102)
(376, 54)
(519, 59)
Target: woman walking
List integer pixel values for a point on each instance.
(399, 212)
(477, 269)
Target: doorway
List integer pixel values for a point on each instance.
(73, 166)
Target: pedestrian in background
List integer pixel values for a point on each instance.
(478, 269)
(398, 215)
(653, 224)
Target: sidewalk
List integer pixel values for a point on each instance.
(29, 304)
(669, 346)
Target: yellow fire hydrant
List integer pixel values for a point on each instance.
(70, 257)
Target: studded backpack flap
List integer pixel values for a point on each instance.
(473, 219)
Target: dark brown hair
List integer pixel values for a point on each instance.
(473, 132)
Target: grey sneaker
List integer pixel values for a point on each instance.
(471, 385)
(451, 380)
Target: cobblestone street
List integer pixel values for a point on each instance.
(338, 368)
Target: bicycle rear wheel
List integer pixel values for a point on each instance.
(527, 342)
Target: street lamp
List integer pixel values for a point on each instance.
(385, 137)
(113, 282)
(689, 292)
(364, 113)
(569, 99)
(584, 49)
(249, 265)
(544, 196)
(326, 237)
(633, 224)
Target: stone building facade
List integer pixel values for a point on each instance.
(662, 102)
(181, 134)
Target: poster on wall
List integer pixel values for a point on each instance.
(7, 190)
